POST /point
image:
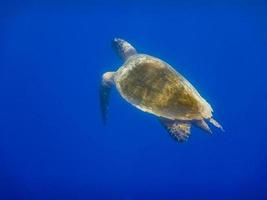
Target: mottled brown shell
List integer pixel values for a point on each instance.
(155, 87)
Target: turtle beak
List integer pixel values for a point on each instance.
(117, 40)
(123, 48)
(117, 43)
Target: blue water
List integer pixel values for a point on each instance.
(53, 144)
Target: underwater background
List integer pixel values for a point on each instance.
(53, 144)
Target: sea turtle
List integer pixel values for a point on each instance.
(153, 86)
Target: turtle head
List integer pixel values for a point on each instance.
(123, 48)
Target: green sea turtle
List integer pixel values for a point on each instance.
(153, 86)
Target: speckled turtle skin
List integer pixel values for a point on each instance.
(154, 86)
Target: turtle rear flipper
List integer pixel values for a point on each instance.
(105, 88)
(178, 130)
(216, 124)
(203, 125)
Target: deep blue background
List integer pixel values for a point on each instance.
(52, 142)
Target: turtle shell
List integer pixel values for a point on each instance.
(154, 86)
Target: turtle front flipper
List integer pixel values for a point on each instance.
(178, 130)
(105, 88)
